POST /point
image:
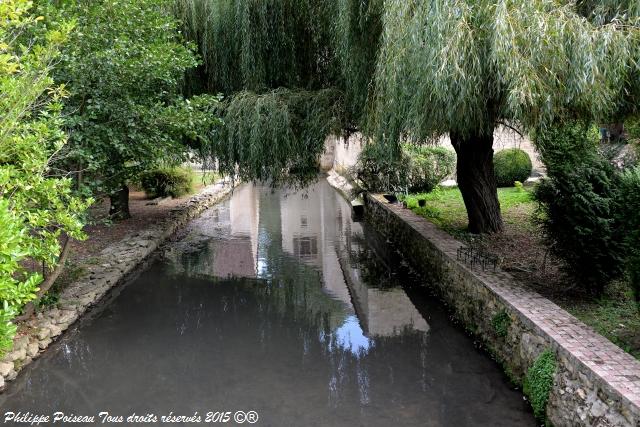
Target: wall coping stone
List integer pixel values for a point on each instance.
(616, 371)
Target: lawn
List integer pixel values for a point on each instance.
(523, 252)
(445, 208)
(200, 179)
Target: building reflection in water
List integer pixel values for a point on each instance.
(240, 240)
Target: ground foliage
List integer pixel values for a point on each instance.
(167, 182)
(538, 382)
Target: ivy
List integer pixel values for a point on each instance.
(538, 382)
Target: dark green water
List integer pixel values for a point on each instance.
(279, 304)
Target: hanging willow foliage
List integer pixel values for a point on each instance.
(259, 45)
(603, 11)
(276, 135)
(274, 62)
(357, 32)
(462, 66)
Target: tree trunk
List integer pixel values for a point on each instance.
(477, 181)
(29, 309)
(120, 204)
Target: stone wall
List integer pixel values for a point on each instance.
(113, 265)
(596, 383)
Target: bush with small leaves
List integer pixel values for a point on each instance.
(579, 205)
(511, 165)
(167, 181)
(427, 166)
(501, 323)
(417, 169)
(629, 213)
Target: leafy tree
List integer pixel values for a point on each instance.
(463, 67)
(124, 68)
(410, 70)
(36, 207)
(357, 31)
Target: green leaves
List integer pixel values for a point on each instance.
(462, 66)
(259, 45)
(276, 135)
(35, 206)
(124, 67)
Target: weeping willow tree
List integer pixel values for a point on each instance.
(357, 31)
(288, 77)
(294, 71)
(463, 67)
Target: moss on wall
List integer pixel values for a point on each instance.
(501, 322)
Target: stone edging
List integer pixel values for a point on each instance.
(596, 383)
(114, 264)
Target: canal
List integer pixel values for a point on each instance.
(275, 302)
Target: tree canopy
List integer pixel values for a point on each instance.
(277, 64)
(464, 67)
(124, 67)
(410, 70)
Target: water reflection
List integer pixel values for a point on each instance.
(297, 230)
(277, 302)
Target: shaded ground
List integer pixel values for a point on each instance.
(102, 232)
(523, 252)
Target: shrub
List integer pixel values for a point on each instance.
(629, 218)
(511, 165)
(379, 168)
(412, 168)
(538, 382)
(427, 166)
(578, 202)
(167, 181)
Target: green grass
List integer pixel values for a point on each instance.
(200, 179)
(613, 315)
(445, 207)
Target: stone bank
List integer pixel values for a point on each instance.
(595, 383)
(113, 265)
